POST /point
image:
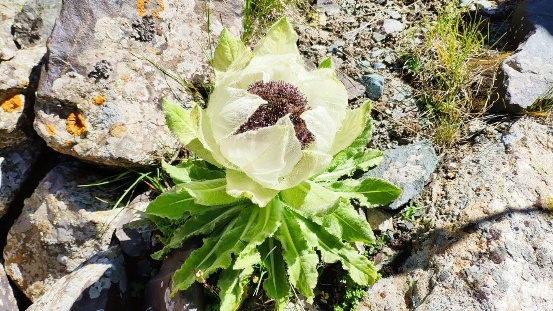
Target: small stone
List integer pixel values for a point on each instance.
(379, 65)
(391, 25)
(330, 7)
(394, 14)
(374, 85)
(378, 36)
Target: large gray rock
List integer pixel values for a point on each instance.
(34, 23)
(15, 168)
(526, 75)
(9, 8)
(99, 97)
(7, 299)
(490, 248)
(61, 226)
(407, 167)
(99, 284)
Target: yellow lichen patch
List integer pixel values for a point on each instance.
(549, 202)
(50, 129)
(118, 130)
(141, 7)
(75, 124)
(160, 8)
(12, 104)
(98, 100)
(125, 78)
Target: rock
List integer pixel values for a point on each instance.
(380, 220)
(99, 98)
(15, 168)
(330, 7)
(33, 24)
(391, 25)
(378, 36)
(524, 76)
(407, 167)
(7, 299)
(7, 14)
(354, 88)
(99, 284)
(491, 246)
(18, 77)
(61, 226)
(158, 288)
(374, 85)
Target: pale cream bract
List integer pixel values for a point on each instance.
(262, 162)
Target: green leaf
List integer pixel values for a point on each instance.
(378, 192)
(228, 49)
(264, 225)
(346, 223)
(280, 39)
(332, 249)
(239, 185)
(191, 170)
(173, 204)
(196, 225)
(233, 285)
(209, 192)
(179, 122)
(327, 63)
(276, 285)
(310, 198)
(301, 259)
(355, 132)
(344, 164)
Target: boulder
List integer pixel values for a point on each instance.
(61, 226)
(528, 73)
(33, 24)
(490, 248)
(100, 92)
(7, 299)
(407, 167)
(99, 284)
(9, 9)
(15, 167)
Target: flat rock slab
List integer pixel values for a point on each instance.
(491, 245)
(99, 284)
(407, 167)
(527, 74)
(61, 226)
(15, 168)
(7, 299)
(99, 97)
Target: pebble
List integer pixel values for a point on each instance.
(379, 65)
(394, 14)
(391, 25)
(378, 36)
(374, 85)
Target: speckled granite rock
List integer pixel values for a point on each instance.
(34, 23)
(7, 299)
(99, 98)
(491, 245)
(15, 168)
(407, 167)
(61, 226)
(9, 9)
(99, 284)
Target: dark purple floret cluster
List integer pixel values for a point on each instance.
(282, 99)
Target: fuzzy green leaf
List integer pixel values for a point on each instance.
(190, 170)
(209, 192)
(276, 285)
(345, 164)
(265, 220)
(228, 49)
(301, 259)
(346, 223)
(378, 192)
(196, 225)
(332, 249)
(326, 63)
(173, 204)
(233, 285)
(311, 199)
(280, 39)
(179, 122)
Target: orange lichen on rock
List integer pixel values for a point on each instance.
(141, 7)
(50, 129)
(161, 8)
(12, 104)
(118, 130)
(125, 78)
(75, 124)
(98, 100)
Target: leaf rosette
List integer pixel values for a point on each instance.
(278, 145)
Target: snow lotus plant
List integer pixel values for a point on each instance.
(271, 188)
